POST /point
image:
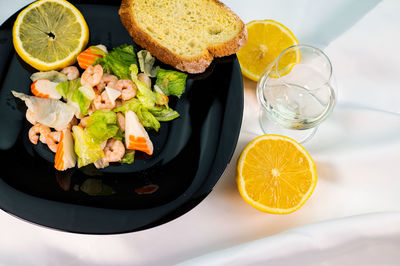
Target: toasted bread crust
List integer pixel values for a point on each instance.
(191, 65)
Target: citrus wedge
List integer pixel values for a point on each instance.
(266, 40)
(49, 34)
(275, 174)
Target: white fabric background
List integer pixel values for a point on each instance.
(356, 151)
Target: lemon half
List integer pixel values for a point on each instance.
(275, 174)
(49, 34)
(266, 40)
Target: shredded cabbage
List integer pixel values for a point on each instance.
(52, 75)
(49, 112)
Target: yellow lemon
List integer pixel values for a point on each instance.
(275, 174)
(266, 40)
(49, 34)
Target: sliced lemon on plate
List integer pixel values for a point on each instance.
(266, 40)
(275, 174)
(49, 34)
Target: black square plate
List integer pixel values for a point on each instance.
(190, 153)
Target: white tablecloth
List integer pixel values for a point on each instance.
(353, 215)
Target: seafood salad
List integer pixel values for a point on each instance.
(102, 115)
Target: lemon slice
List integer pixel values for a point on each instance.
(266, 40)
(275, 174)
(49, 34)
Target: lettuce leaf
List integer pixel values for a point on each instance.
(162, 99)
(102, 125)
(120, 135)
(119, 60)
(67, 88)
(146, 118)
(163, 114)
(129, 157)
(83, 96)
(85, 148)
(133, 105)
(73, 91)
(146, 96)
(171, 82)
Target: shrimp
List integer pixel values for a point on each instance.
(114, 150)
(102, 102)
(121, 121)
(71, 72)
(92, 76)
(30, 117)
(38, 130)
(52, 140)
(108, 80)
(145, 79)
(127, 88)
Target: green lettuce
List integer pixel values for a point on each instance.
(120, 135)
(148, 120)
(171, 82)
(129, 157)
(144, 93)
(133, 105)
(102, 125)
(74, 91)
(119, 60)
(162, 99)
(85, 148)
(163, 114)
(146, 96)
(145, 117)
(67, 88)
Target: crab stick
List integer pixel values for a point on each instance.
(136, 137)
(45, 88)
(89, 56)
(65, 155)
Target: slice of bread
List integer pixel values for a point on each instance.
(186, 34)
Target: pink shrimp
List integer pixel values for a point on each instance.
(145, 79)
(92, 75)
(121, 121)
(114, 150)
(52, 140)
(102, 102)
(38, 132)
(71, 72)
(30, 117)
(127, 88)
(107, 81)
